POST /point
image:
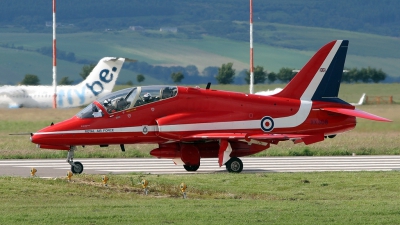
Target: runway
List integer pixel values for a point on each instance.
(59, 167)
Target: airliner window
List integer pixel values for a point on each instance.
(90, 111)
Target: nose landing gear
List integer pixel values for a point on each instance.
(76, 167)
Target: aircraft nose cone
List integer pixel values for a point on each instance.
(34, 138)
(43, 135)
(39, 138)
(47, 142)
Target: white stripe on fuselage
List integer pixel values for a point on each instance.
(102, 130)
(282, 122)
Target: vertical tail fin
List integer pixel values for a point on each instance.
(103, 76)
(320, 78)
(98, 83)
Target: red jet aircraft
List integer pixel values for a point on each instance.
(191, 123)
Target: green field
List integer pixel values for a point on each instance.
(364, 50)
(221, 198)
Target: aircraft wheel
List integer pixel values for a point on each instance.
(77, 167)
(191, 168)
(234, 165)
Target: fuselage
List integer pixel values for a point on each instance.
(42, 97)
(193, 111)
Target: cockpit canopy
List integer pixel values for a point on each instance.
(129, 98)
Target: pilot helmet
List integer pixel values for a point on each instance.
(147, 96)
(107, 102)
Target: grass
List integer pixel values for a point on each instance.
(262, 198)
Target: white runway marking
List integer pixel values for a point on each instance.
(59, 167)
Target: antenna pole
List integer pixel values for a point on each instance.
(54, 57)
(251, 49)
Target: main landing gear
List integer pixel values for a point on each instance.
(234, 165)
(191, 168)
(76, 167)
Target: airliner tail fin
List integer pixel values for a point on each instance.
(104, 75)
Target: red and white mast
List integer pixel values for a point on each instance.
(251, 49)
(54, 57)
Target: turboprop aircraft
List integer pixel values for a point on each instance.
(360, 102)
(269, 92)
(190, 123)
(98, 83)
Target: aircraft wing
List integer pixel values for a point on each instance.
(215, 136)
(282, 137)
(11, 91)
(258, 138)
(261, 136)
(356, 113)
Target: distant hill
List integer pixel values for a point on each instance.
(206, 16)
(175, 50)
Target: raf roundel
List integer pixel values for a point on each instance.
(145, 129)
(267, 123)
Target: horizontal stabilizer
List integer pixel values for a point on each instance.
(356, 113)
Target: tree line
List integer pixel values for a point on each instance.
(364, 75)
(226, 75)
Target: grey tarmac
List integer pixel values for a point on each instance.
(59, 167)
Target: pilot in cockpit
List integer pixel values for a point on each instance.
(109, 107)
(147, 98)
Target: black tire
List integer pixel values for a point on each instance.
(191, 168)
(234, 165)
(78, 168)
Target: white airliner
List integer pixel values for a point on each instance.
(100, 82)
(269, 92)
(360, 102)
